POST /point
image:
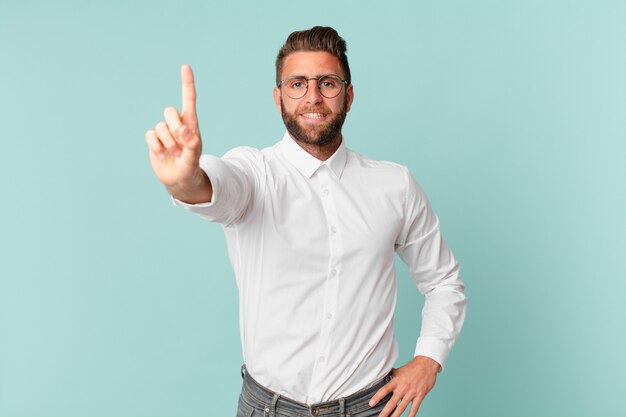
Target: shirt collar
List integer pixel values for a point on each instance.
(306, 163)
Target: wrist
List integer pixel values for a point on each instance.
(197, 189)
(428, 363)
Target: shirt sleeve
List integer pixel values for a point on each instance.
(235, 179)
(436, 274)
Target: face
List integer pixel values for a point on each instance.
(313, 119)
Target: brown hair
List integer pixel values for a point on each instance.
(318, 38)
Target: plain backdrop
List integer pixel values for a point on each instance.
(511, 115)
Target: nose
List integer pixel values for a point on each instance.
(313, 94)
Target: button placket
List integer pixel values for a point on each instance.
(331, 286)
(336, 248)
(330, 294)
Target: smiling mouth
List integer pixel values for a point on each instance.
(314, 115)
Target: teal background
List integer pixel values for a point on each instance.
(511, 114)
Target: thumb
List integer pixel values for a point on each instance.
(190, 140)
(184, 134)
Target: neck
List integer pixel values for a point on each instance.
(321, 152)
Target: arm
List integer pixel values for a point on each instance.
(175, 147)
(436, 274)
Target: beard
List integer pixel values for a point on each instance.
(315, 135)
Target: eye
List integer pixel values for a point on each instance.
(328, 83)
(297, 84)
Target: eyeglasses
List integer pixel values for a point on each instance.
(329, 85)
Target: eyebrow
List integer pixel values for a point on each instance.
(317, 76)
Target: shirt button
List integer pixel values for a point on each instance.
(333, 230)
(322, 359)
(333, 272)
(329, 316)
(325, 191)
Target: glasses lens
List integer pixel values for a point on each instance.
(330, 86)
(295, 87)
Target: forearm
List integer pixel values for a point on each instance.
(230, 184)
(443, 315)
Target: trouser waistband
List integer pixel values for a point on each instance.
(271, 402)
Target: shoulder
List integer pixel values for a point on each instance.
(243, 152)
(245, 156)
(387, 174)
(361, 162)
(250, 153)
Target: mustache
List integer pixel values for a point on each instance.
(315, 109)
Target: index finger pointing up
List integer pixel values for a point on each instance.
(189, 94)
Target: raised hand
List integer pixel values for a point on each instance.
(175, 147)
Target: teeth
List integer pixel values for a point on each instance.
(314, 115)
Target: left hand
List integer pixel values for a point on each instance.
(409, 384)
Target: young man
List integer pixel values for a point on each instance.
(312, 229)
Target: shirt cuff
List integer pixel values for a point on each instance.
(432, 348)
(177, 202)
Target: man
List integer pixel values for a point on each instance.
(312, 228)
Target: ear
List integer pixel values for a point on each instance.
(350, 94)
(277, 99)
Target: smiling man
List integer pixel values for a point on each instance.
(314, 119)
(312, 231)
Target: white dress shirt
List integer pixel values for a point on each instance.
(312, 245)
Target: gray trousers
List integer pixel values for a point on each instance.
(256, 401)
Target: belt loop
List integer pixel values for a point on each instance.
(243, 370)
(274, 401)
(342, 407)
